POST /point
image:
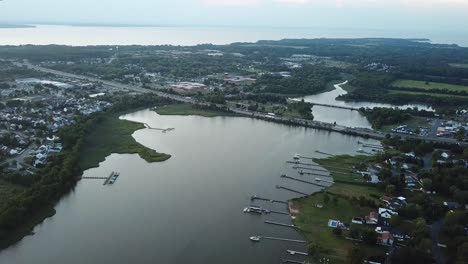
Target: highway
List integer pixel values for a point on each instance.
(295, 121)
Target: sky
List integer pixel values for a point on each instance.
(376, 14)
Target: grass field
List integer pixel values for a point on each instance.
(313, 223)
(114, 135)
(188, 109)
(429, 85)
(428, 94)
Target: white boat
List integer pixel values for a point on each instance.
(255, 238)
(296, 156)
(246, 210)
(318, 179)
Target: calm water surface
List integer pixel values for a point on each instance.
(345, 117)
(191, 35)
(187, 209)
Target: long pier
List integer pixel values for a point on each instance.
(94, 178)
(300, 180)
(324, 153)
(301, 163)
(283, 239)
(306, 168)
(160, 129)
(291, 190)
(280, 224)
(293, 261)
(293, 252)
(256, 197)
(278, 212)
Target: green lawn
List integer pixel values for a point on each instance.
(188, 109)
(113, 135)
(313, 223)
(429, 85)
(427, 93)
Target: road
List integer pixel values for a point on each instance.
(435, 231)
(315, 124)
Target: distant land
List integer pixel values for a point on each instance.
(16, 26)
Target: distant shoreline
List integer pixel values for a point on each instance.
(16, 26)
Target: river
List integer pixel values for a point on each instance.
(187, 209)
(193, 35)
(349, 118)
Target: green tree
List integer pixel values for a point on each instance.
(460, 134)
(326, 198)
(390, 189)
(395, 221)
(369, 237)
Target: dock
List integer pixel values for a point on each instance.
(293, 252)
(280, 224)
(300, 180)
(311, 173)
(300, 163)
(282, 239)
(256, 197)
(306, 168)
(324, 153)
(278, 212)
(112, 178)
(293, 261)
(291, 190)
(164, 130)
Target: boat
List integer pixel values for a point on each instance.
(296, 156)
(318, 179)
(255, 238)
(246, 210)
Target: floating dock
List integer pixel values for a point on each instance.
(291, 190)
(112, 178)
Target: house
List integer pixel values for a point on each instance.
(382, 229)
(357, 220)
(386, 238)
(374, 179)
(386, 213)
(372, 218)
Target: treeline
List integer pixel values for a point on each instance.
(380, 117)
(310, 79)
(303, 108)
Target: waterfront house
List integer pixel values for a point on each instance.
(386, 213)
(372, 218)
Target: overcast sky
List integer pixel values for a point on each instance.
(394, 14)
